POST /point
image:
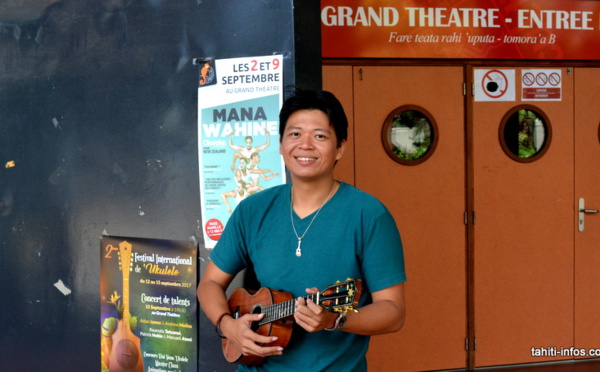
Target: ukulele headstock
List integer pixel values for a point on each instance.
(342, 296)
(125, 262)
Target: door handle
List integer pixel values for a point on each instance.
(582, 212)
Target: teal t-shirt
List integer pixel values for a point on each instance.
(353, 236)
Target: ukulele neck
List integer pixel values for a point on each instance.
(284, 309)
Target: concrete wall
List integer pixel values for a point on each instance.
(98, 124)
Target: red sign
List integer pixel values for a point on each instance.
(470, 29)
(214, 228)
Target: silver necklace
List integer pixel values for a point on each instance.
(299, 248)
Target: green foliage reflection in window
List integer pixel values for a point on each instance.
(525, 133)
(410, 135)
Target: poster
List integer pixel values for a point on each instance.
(238, 134)
(148, 305)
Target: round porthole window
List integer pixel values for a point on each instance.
(409, 135)
(525, 133)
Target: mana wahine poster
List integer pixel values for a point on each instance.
(238, 135)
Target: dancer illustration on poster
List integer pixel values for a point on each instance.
(246, 151)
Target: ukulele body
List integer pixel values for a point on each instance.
(125, 355)
(243, 302)
(279, 307)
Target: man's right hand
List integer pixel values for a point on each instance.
(239, 331)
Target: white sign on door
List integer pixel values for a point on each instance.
(541, 85)
(494, 85)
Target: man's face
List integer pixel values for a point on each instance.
(249, 142)
(309, 145)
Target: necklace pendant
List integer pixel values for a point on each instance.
(299, 250)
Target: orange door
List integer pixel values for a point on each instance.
(338, 79)
(587, 187)
(427, 201)
(523, 233)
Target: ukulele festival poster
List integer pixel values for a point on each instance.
(238, 134)
(148, 318)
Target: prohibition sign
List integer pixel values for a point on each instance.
(494, 83)
(554, 79)
(528, 79)
(541, 79)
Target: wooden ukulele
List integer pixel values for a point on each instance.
(125, 355)
(279, 308)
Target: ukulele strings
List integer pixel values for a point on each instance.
(283, 309)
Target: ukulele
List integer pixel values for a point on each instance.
(279, 308)
(125, 355)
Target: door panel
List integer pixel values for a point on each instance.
(523, 237)
(428, 203)
(536, 282)
(338, 80)
(587, 181)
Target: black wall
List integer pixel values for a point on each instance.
(98, 112)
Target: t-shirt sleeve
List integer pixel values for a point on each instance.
(383, 255)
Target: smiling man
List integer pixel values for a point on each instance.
(303, 236)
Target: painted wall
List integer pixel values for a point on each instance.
(98, 136)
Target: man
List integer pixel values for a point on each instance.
(304, 236)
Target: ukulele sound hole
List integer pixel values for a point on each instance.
(257, 309)
(127, 354)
